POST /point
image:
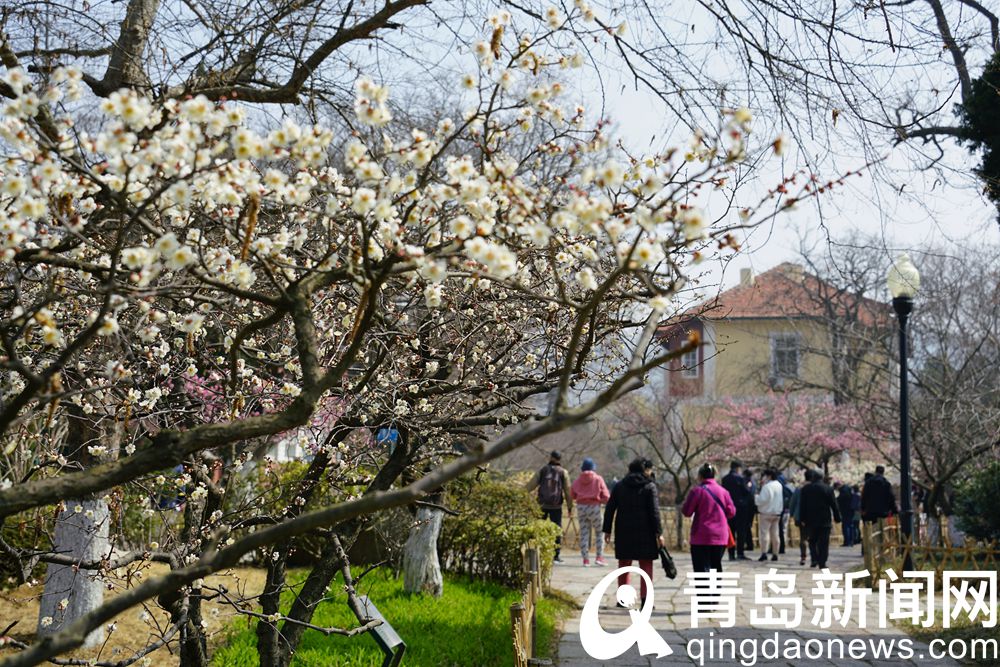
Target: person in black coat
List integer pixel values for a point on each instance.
(845, 497)
(747, 526)
(634, 511)
(877, 499)
(816, 506)
(739, 490)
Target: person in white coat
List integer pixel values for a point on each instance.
(770, 504)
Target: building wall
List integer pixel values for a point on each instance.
(743, 361)
(736, 365)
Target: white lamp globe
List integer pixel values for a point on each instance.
(903, 278)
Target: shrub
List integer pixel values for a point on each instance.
(275, 486)
(974, 497)
(495, 521)
(27, 532)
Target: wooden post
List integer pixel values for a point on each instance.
(869, 548)
(517, 630)
(534, 569)
(879, 548)
(534, 592)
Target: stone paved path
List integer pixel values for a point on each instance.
(672, 617)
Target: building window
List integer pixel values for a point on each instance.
(689, 364)
(784, 356)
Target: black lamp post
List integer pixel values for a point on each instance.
(904, 281)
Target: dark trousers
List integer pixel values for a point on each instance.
(847, 530)
(734, 525)
(806, 543)
(705, 557)
(744, 529)
(781, 532)
(819, 544)
(555, 516)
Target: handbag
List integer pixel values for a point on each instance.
(667, 561)
(731, 543)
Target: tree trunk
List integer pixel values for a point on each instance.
(268, 638)
(313, 591)
(421, 569)
(83, 536)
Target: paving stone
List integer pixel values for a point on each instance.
(672, 618)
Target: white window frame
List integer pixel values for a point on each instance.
(689, 364)
(785, 340)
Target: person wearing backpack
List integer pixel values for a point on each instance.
(552, 483)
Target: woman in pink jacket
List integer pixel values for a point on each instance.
(712, 507)
(589, 492)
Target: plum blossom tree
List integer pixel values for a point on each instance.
(785, 429)
(182, 286)
(654, 427)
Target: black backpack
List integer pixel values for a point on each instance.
(786, 496)
(550, 486)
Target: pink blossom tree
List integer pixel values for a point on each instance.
(784, 429)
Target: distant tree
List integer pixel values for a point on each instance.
(955, 354)
(653, 427)
(783, 429)
(973, 497)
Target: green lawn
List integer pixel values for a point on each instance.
(967, 633)
(468, 625)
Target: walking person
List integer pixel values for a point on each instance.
(845, 498)
(552, 482)
(711, 507)
(856, 513)
(634, 512)
(793, 511)
(590, 492)
(877, 498)
(745, 518)
(786, 496)
(816, 507)
(739, 490)
(770, 504)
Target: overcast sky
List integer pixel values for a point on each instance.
(947, 213)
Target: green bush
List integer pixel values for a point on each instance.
(28, 532)
(495, 521)
(974, 497)
(275, 488)
(469, 625)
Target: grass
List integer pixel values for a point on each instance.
(468, 625)
(966, 632)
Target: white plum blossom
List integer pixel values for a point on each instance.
(693, 224)
(237, 272)
(191, 323)
(432, 296)
(586, 278)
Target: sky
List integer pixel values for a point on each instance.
(930, 213)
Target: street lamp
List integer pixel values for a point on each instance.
(904, 281)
